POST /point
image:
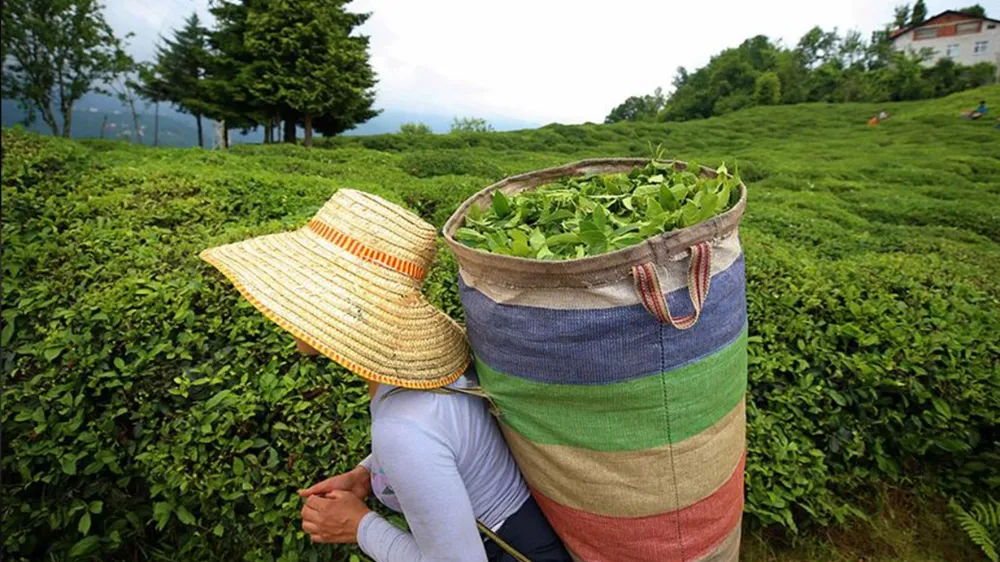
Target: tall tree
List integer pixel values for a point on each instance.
(818, 46)
(178, 73)
(901, 16)
(852, 49)
(54, 52)
(308, 62)
(919, 13)
(234, 70)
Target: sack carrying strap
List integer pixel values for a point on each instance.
(479, 393)
(501, 543)
(647, 286)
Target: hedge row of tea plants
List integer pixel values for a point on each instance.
(149, 413)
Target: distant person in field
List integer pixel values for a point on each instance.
(873, 122)
(347, 286)
(977, 112)
(883, 115)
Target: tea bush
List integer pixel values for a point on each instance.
(149, 413)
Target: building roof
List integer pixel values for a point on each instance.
(929, 21)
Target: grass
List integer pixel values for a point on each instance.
(901, 527)
(838, 213)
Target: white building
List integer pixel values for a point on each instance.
(963, 38)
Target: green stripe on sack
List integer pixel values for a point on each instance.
(625, 416)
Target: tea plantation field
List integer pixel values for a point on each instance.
(149, 414)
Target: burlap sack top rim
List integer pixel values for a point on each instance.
(593, 270)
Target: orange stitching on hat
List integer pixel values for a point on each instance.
(357, 248)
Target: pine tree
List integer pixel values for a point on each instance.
(308, 66)
(919, 13)
(178, 73)
(901, 15)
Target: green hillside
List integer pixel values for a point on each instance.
(149, 413)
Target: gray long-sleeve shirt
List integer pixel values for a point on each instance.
(440, 459)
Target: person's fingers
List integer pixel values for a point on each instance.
(319, 502)
(335, 495)
(324, 539)
(310, 527)
(320, 487)
(309, 511)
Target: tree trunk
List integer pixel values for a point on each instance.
(308, 140)
(290, 130)
(50, 120)
(267, 132)
(135, 122)
(104, 125)
(156, 126)
(68, 122)
(225, 136)
(201, 142)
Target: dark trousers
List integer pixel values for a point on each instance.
(530, 534)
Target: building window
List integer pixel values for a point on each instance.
(970, 27)
(926, 33)
(991, 26)
(980, 47)
(952, 50)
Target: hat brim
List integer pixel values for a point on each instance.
(369, 318)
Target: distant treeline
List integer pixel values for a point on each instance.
(823, 67)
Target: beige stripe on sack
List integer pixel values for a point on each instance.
(673, 276)
(634, 483)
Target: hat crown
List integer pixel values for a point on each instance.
(376, 224)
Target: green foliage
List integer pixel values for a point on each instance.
(54, 52)
(577, 217)
(638, 108)
(901, 16)
(308, 61)
(428, 164)
(149, 413)
(414, 129)
(470, 125)
(974, 10)
(767, 89)
(981, 522)
(918, 14)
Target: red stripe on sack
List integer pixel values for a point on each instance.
(685, 535)
(355, 247)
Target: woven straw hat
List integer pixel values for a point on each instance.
(348, 284)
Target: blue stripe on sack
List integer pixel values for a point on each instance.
(602, 346)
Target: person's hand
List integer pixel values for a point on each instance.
(357, 482)
(304, 348)
(334, 518)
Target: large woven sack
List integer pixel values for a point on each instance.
(620, 381)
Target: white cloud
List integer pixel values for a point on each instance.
(546, 60)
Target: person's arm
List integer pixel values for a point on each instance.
(425, 478)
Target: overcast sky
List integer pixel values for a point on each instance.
(545, 60)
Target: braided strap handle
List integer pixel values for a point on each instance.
(647, 286)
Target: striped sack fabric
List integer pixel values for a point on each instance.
(620, 381)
